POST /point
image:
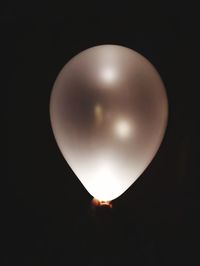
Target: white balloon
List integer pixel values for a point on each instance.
(108, 113)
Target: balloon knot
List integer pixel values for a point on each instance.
(101, 203)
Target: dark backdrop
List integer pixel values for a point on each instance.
(48, 220)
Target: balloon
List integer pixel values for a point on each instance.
(108, 112)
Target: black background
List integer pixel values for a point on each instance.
(48, 220)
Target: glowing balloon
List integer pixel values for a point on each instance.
(108, 112)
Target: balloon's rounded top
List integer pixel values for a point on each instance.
(108, 112)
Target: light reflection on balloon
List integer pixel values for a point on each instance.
(108, 113)
(108, 74)
(122, 129)
(105, 174)
(98, 112)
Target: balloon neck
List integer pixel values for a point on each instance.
(101, 203)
